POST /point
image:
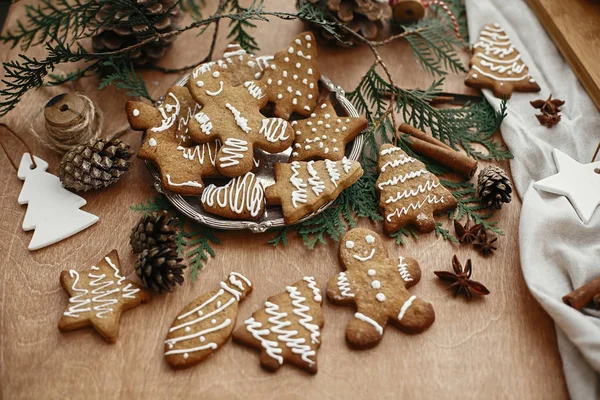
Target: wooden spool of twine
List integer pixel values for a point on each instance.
(71, 119)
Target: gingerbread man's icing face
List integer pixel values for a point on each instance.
(367, 248)
(210, 82)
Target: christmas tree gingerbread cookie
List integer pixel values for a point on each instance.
(181, 166)
(324, 134)
(302, 187)
(98, 297)
(206, 324)
(409, 194)
(292, 77)
(242, 198)
(377, 285)
(232, 115)
(498, 66)
(52, 210)
(288, 328)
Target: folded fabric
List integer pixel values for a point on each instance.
(558, 251)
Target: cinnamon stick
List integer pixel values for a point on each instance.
(411, 130)
(580, 297)
(430, 147)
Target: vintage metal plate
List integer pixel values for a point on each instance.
(273, 217)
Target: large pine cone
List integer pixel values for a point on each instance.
(128, 28)
(159, 268)
(493, 187)
(363, 16)
(95, 165)
(156, 229)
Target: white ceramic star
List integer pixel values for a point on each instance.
(580, 183)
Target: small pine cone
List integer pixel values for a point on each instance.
(159, 268)
(152, 230)
(362, 16)
(493, 187)
(118, 26)
(94, 165)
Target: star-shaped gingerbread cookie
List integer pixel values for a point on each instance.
(98, 297)
(324, 134)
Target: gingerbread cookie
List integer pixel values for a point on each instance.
(206, 324)
(242, 66)
(376, 285)
(409, 194)
(292, 77)
(242, 198)
(303, 187)
(232, 115)
(498, 66)
(99, 297)
(324, 134)
(181, 167)
(288, 328)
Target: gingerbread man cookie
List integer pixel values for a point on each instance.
(206, 324)
(324, 134)
(497, 65)
(181, 167)
(98, 297)
(409, 194)
(377, 286)
(242, 66)
(292, 77)
(288, 328)
(302, 187)
(232, 115)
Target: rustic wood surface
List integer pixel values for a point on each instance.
(502, 346)
(581, 46)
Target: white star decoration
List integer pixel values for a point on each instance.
(580, 183)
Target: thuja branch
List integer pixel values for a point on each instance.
(28, 73)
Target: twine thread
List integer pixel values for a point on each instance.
(85, 129)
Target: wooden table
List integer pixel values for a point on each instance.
(500, 346)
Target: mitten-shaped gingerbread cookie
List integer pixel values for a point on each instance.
(497, 65)
(232, 115)
(288, 329)
(181, 166)
(377, 286)
(242, 198)
(205, 325)
(409, 194)
(292, 77)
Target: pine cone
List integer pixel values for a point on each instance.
(363, 16)
(159, 268)
(156, 229)
(127, 29)
(94, 165)
(493, 187)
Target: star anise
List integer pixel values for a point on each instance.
(485, 246)
(465, 233)
(550, 109)
(461, 282)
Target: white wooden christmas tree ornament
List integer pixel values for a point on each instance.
(52, 210)
(580, 183)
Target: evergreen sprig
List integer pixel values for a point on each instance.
(434, 46)
(61, 20)
(194, 241)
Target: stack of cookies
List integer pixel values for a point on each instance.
(213, 127)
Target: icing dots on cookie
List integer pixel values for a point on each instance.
(296, 67)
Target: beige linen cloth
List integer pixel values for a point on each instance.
(558, 251)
